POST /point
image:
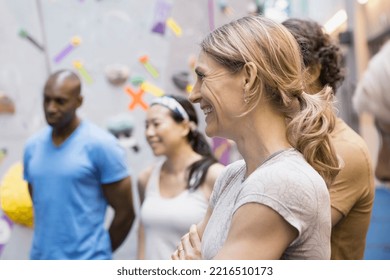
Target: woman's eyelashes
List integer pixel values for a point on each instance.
(200, 75)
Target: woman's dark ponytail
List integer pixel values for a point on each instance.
(198, 170)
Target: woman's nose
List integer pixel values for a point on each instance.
(149, 131)
(194, 95)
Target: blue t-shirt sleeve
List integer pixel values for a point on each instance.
(26, 160)
(110, 160)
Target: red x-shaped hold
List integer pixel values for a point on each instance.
(137, 98)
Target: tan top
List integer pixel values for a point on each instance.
(352, 194)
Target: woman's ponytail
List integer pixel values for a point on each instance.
(309, 132)
(198, 170)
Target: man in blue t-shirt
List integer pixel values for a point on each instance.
(74, 170)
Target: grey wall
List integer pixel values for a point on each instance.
(112, 31)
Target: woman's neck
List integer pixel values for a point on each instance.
(178, 160)
(261, 139)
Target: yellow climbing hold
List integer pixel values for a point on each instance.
(15, 200)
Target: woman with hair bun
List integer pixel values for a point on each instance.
(352, 192)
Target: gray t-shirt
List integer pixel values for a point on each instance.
(287, 184)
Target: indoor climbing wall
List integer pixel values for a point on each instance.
(126, 52)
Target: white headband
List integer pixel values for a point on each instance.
(172, 105)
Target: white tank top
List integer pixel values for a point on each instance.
(166, 220)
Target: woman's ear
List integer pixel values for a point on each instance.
(186, 126)
(250, 74)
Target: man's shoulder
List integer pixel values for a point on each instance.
(98, 141)
(38, 136)
(95, 133)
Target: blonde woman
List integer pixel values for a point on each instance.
(273, 204)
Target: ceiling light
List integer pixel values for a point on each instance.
(336, 21)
